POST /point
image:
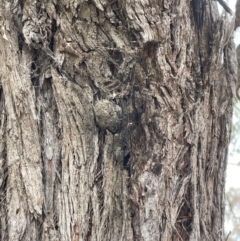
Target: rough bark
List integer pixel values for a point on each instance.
(237, 20)
(114, 122)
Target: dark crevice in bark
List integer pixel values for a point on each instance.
(114, 61)
(148, 84)
(40, 63)
(17, 21)
(20, 41)
(54, 29)
(149, 49)
(90, 221)
(134, 215)
(156, 103)
(157, 168)
(172, 37)
(35, 68)
(198, 8)
(138, 106)
(133, 38)
(55, 219)
(184, 221)
(3, 186)
(39, 226)
(112, 68)
(98, 174)
(126, 163)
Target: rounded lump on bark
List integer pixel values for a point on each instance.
(108, 115)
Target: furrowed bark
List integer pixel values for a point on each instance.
(114, 121)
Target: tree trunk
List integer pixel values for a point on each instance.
(114, 122)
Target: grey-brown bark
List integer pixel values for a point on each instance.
(114, 122)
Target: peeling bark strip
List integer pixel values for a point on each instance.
(114, 123)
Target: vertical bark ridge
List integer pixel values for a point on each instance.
(24, 188)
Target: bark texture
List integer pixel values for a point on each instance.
(114, 122)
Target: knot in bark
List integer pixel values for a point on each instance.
(108, 115)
